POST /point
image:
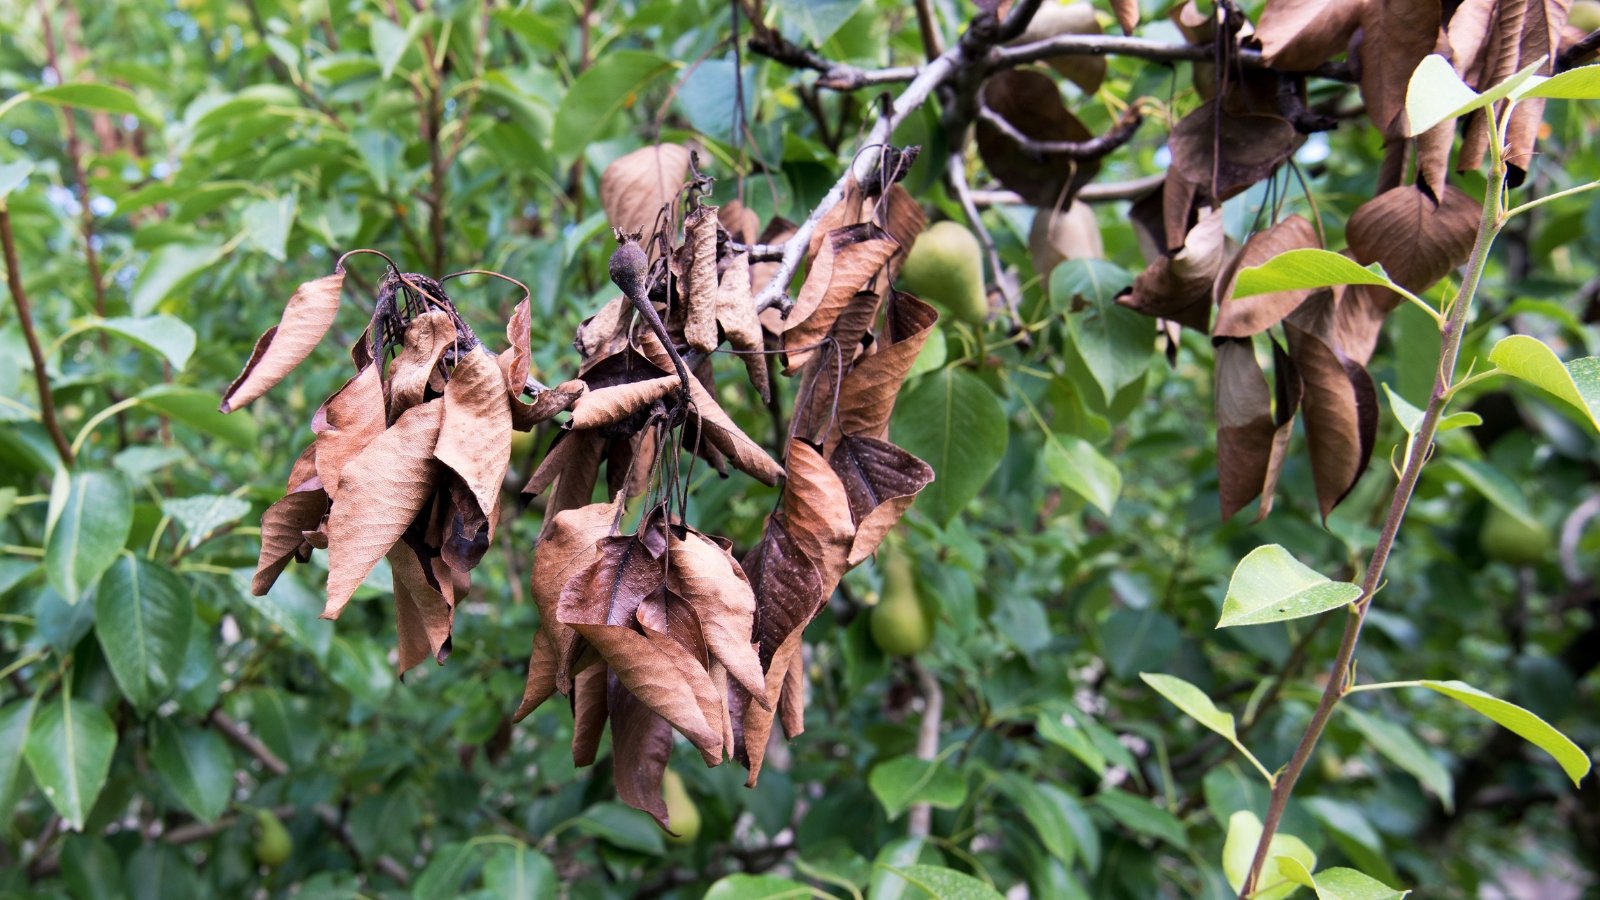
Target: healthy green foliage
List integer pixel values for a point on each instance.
(1270, 585)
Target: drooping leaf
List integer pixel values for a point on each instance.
(1337, 883)
(699, 286)
(474, 437)
(1031, 103)
(867, 393)
(880, 481)
(1242, 316)
(1246, 432)
(1416, 239)
(283, 528)
(641, 743)
(707, 577)
(954, 422)
(1340, 402)
(1574, 761)
(69, 749)
(1192, 701)
(609, 405)
(1239, 849)
(423, 613)
(1252, 146)
(426, 339)
(1179, 287)
(306, 318)
(1270, 585)
(87, 531)
(143, 615)
(1302, 269)
(1143, 817)
(845, 265)
(905, 781)
(1397, 745)
(1298, 35)
(1529, 359)
(196, 765)
(1398, 36)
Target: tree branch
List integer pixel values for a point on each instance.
(1093, 148)
(1575, 55)
(1107, 192)
(41, 375)
(919, 819)
(1140, 48)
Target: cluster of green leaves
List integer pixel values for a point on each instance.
(1071, 541)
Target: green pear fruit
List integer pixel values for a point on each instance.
(945, 268)
(1585, 15)
(683, 816)
(273, 844)
(1510, 539)
(900, 625)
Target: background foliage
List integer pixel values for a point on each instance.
(230, 151)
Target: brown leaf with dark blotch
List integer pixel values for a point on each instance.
(1417, 241)
(1244, 424)
(635, 187)
(755, 725)
(816, 511)
(1127, 13)
(641, 743)
(589, 712)
(422, 613)
(570, 544)
(541, 681)
(1396, 35)
(743, 452)
(1031, 102)
(792, 699)
(706, 576)
(847, 263)
(349, 421)
(467, 537)
(867, 395)
(736, 313)
(306, 318)
(283, 528)
(1299, 35)
(1340, 402)
(426, 339)
(880, 481)
(383, 489)
(847, 212)
(1179, 287)
(610, 405)
(1252, 147)
(599, 331)
(666, 612)
(475, 438)
(1288, 390)
(700, 281)
(788, 587)
(1253, 315)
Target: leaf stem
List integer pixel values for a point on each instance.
(97, 418)
(1540, 201)
(1489, 225)
(41, 375)
(1381, 686)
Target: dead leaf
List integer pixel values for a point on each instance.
(1289, 390)
(1396, 35)
(427, 337)
(1252, 148)
(1127, 13)
(706, 576)
(1299, 35)
(610, 405)
(570, 543)
(475, 438)
(755, 724)
(283, 528)
(636, 186)
(736, 313)
(868, 392)
(1340, 401)
(1244, 425)
(306, 318)
(849, 259)
(1253, 315)
(600, 331)
(541, 681)
(573, 466)
(1052, 19)
(383, 489)
(792, 700)
(700, 281)
(880, 482)
(1056, 236)
(641, 744)
(346, 424)
(589, 712)
(1031, 102)
(545, 404)
(422, 614)
(901, 215)
(1179, 287)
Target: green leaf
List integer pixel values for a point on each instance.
(1410, 417)
(390, 41)
(904, 781)
(947, 884)
(290, 607)
(1270, 585)
(1046, 807)
(1496, 487)
(1142, 816)
(1399, 747)
(1347, 824)
(954, 422)
(1523, 723)
(622, 826)
(898, 853)
(819, 20)
(169, 268)
(16, 719)
(519, 873)
(1192, 702)
(1074, 739)
(1239, 849)
(1306, 268)
(446, 869)
(202, 515)
(1582, 83)
(84, 539)
(1338, 883)
(267, 222)
(1073, 463)
(12, 175)
(94, 97)
(1577, 382)
(69, 753)
(143, 615)
(196, 766)
(756, 887)
(1437, 93)
(197, 410)
(612, 84)
(167, 335)
(91, 869)
(1115, 342)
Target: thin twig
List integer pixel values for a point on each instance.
(919, 819)
(1571, 532)
(248, 742)
(1139, 48)
(928, 27)
(1093, 148)
(41, 376)
(1109, 192)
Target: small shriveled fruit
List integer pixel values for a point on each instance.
(1512, 539)
(900, 625)
(945, 268)
(273, 844)
(683, 816)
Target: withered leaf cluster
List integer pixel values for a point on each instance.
(651, 627)
(1420, 229)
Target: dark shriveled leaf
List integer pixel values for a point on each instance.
(1253, 315)
(641, 743)
(1244, 425)
(706, 576)
(1396, 35)
(422, 613)
(306, 318)
(1341, 403)
(282, 533)
(426, 339)
(1031, 102)
(1299, 35)
(1179, 287)
(880, 481)
(847, 262)
(867, 395)
(1252, 146)
(589, 712)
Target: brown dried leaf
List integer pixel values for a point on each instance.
(1299, 35)
(792, 700)
(610, 405)
(1127, 13)
(1289, 390)
(847, 212)
(1052, 19)
(867, 395)
(422, 613)
(750, 739)
(589, 712)
(304, 469)
(1055, 236)
(848, 261)
(788, 587)
(902, 216)
(345, 425)
(1341, 403)
(1253, 315)
(569, 545)
(600, 331)
(816, 511)
(574, 470)
(700, 281)
(718, 429)
(384, 488)
(541, 683)
(740, 221)
(635, 187)
(736, 313)
(1252, 147)
(1245, 429)
(1396, 35)
(706, 576)
(426, 339)
(475, 438)
(306, 318)
(283, 528)
(545, 404)
(1031, 102)
(1179, 287)
(641, 743)
(880, 481)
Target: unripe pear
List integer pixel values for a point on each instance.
(1512, 539)
(945, 268)
(683, 816)
(1073, 233)
(900, 626)
(1585, 15)
(273, 844)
